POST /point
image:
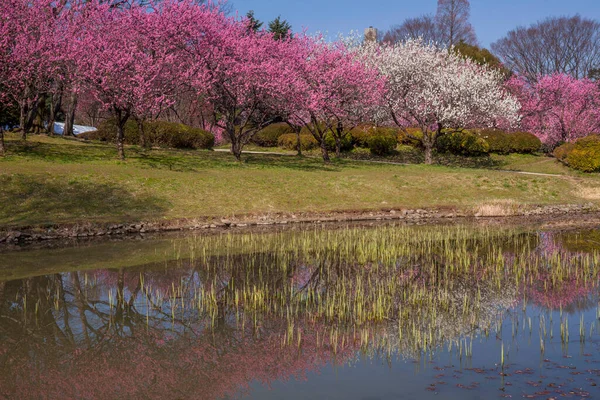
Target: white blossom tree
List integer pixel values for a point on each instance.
(439, 91)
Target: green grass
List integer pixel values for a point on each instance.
(55, 180)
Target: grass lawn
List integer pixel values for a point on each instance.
(56, 180)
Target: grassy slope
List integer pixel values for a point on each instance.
(54, 180)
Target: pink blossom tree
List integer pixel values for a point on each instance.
(558, 108)
(333, 90)
(30, 52)
(239, 72)
(129, 71)
(7, 32)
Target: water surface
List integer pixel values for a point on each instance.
(379, 312)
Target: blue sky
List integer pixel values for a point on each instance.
(492, 19)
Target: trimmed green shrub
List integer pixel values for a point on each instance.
(498, 141)
(289, 141)
(562, 152)
(268, 136)
(107, 132)
(361, 134)
(506, 143)
(346, 144)
(524, 143)
(179, 136)
(463, 143)
(158, 134)
(382, 143)
(585, 155)
(405, 139)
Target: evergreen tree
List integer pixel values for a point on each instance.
(253, 23)
(280, 28)
(481, 56)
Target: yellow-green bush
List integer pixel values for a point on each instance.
(562, 152)
(501, 142)
(361, 134)
(158, 134)
(346, 144)
(382, 143)
(289, 141)
(410, 137)
(585, 155)
(268, 136)
(524, 143)
(463, 143)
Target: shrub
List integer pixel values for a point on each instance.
(382, 143)
(179, 136)
(585, 155)
(360, 135)
(346, 144)
(524, 143)
(107, 132)
(268, 136)
(158, 134)
(405, 139)
(498, 141)
(562, 152)
(289, 141)
(463, 143)
(506, 143)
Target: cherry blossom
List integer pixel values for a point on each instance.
(558, 108)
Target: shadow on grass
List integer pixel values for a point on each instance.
(63, 150)
(195, 161)
(42, 199)
(479, 162)
(293, 162)
(416, 156)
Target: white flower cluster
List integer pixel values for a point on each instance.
(431, 87)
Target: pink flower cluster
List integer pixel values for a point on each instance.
(558, 108)
(135, 60)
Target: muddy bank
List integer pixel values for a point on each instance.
(586, 214)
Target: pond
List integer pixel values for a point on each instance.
(346, 312)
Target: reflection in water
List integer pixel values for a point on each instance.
(209, 317)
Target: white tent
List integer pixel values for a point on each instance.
(77, 129)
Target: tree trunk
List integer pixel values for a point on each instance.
(70, 116)
(338, 136)
(324, 152)
(120, 140)
(121, 119)
(236, 147)
(143, 141)
(427, 145)
(54, 109)
(23, 112)
(31, 115)
(428, 153)
(298, 143)
(429, 142)
(37, 117)
(2, 148)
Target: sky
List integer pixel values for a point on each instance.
(492, 19)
